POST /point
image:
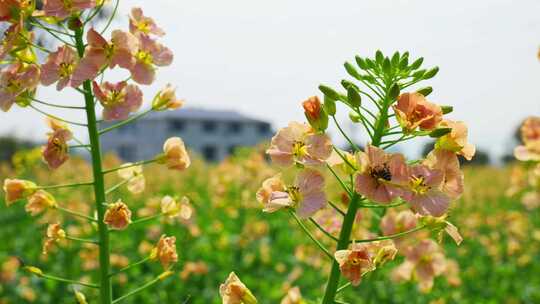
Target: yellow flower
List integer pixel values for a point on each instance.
(175, 154)
(233, 291)
(17, 189)
(39, 201)
(165, 251)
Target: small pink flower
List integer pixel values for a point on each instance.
(100, 54)
(306, 196)
(140, 24)
(530, 135)
(381, 175)
(424, 262)
(297, 143)
(397, 222)
(118, 100)
(448, 163)
(166, 99)
(56, 152)
(150, 53)
(270, 185)
(425, 191)
(413, 111)
(355, 262)
(64, 8)
(134, 177)
(59, 67)
(16, 80)
(456, 140)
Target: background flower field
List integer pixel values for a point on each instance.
(224, 229)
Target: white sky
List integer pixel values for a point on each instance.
(263, 58)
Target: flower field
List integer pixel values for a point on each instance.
(223, 229)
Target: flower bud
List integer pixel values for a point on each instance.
(329, 106)
(79, 296)
(354, 98)
(354, 117)
(166, 99)
(447, 109)
(431, 73)
(74, 23)
(328, 91)
(394, 91)
(316, 116)
(34, 270)
(361, 62)
(351, 70)
(417, 63)
(425, 91)
(16, 189)
(175, 155)
(233, 291)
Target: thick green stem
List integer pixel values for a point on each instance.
(105, 290)
(343, 243)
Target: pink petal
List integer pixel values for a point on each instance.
(312, 203)
(142, 73)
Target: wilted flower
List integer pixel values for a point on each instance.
(166, 99)
(134, 177)
(448, 164)
(175, 154)
(438, 225)
(65, 8)
(530, 135)
(117, 216)
(456, 140)
(424, 262)
(165, 251)
(355, 262)
(413, 111)
(56, 152)
(149, 54)
(306, 196)
(424, 192)
(54, 234)
(293, 297)
(381, 175)
(16, 189)
(59, 67)
(383, 251)
(298, 143)
(233, 291)
(118, 100)
(39, 201)
(140, 24)
(17, 81)
(100, 53)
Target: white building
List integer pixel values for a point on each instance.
(212, 134)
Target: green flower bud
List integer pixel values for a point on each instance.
(354, 117)
(394, 91)
(417, 63)
(361, 62)
(447, 109)
(354, 98)
(431, 73)
(425, 91)
(328, 91)
(351, 70)
(329, 106)
(440, 132)
(379, 57)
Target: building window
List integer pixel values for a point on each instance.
(209, 153)
(209, 126)
(235, 127)
(127, 152)
(177, 125)
(264, 128)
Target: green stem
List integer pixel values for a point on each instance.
(66, 186)
(130, 266)
(75, 213)
(343, 243)
(389, 237)
(105, 290)
(328, 234)
(57, 118)
(336, 208)
(137, 290)
(353, 145)
(339, 180)
(146, 219)
(144, 162)
(57, 105)
(343, 287)
(72, 238)
(375, 206)
(125, 122)
(58, 279)
(308, 233)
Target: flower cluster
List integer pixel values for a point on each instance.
(373, 177)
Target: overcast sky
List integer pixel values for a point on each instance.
(263, 58)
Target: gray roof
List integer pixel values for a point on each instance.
(202, 114)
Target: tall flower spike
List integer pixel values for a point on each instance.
(59, 67)
(298, 143)
(381, 176)
(56, 152)
(118, 100)
(149, 54)
(233, 291)
(140, 24)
